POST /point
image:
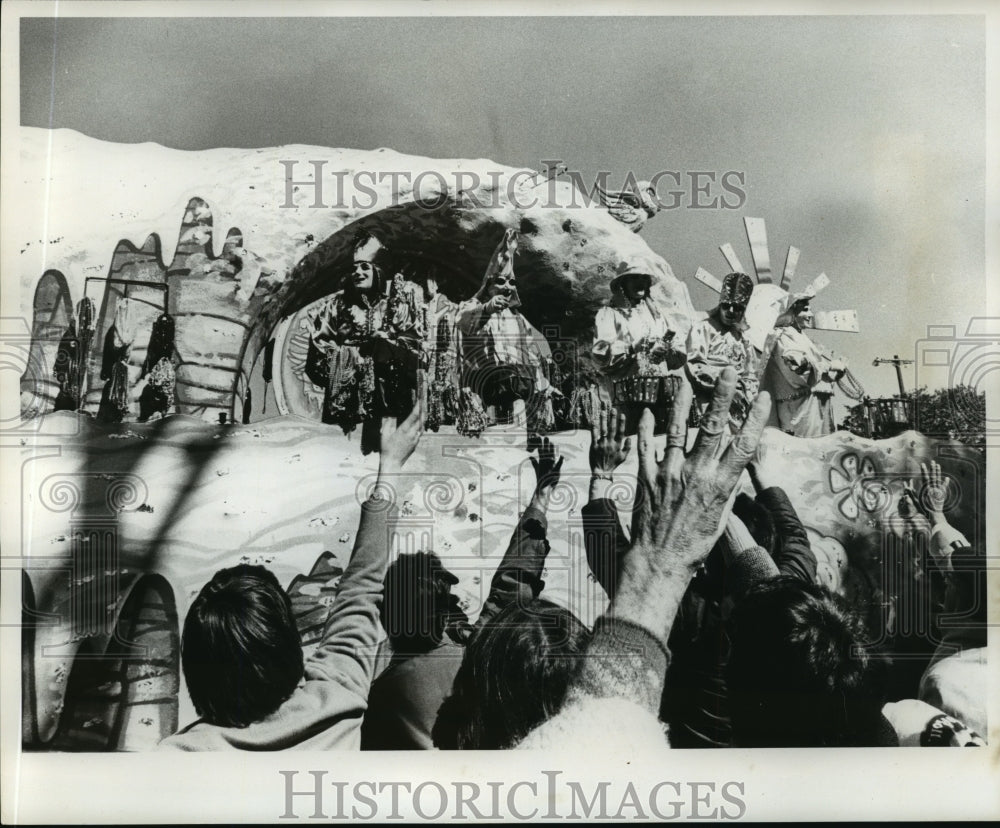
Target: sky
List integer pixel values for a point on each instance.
(861, 140)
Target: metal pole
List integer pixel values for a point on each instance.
(899, 373)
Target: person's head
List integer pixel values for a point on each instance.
(502, 284)
(500, 279)
(734, 297)
(803, 315)
(799, 314)
(367, 265)
(418, 603)
(633, 286)
(798, 674)
(240, 650)
(513, 677)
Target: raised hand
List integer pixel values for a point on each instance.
(399, 442)
(609, 447)
(547, 467)
(661, 473)
(497, 303)
(933, 492)
(674, 532)
(688, 505)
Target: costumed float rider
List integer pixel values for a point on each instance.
(635, 348)
(800, 375)
(71, 358)
(116, 403)
(503, 358)
(366, 348)
(157, 397)
(720, 340)
(440, 315)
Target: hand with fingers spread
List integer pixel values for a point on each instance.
(686, 520)
(928, 503)
(934, 492)
(666, 469)
(548, 467)
(684, 514)
(609, 447)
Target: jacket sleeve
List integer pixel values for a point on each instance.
(793, 553)
(349, 646)
(611, 349)
(519, 576)
(472, 316)
(700, 369)
(963, 622)
(605, 542)
(408, 326)
(798, 357)
(748, 377)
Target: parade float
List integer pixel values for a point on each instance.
(168, 426)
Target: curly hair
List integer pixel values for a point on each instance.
(798, 672)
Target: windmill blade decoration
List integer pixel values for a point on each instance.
(817, 284)
(845, 321)
(771, 299)
(731, 258)
(791, 262)
(708, 280)
(757, 236)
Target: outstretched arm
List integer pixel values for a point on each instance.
(627, 655)
(519, 576)
(473, 314)
(964, 567)
(347, 650)
(603, 537)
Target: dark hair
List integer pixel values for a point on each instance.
(241, 651)
(798, 675)
(513, 677)
(418, 603)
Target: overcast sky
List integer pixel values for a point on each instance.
(861, 139)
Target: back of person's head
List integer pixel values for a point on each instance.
(798, 674)
(513, 677)
(241, 650)
(418, 603)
